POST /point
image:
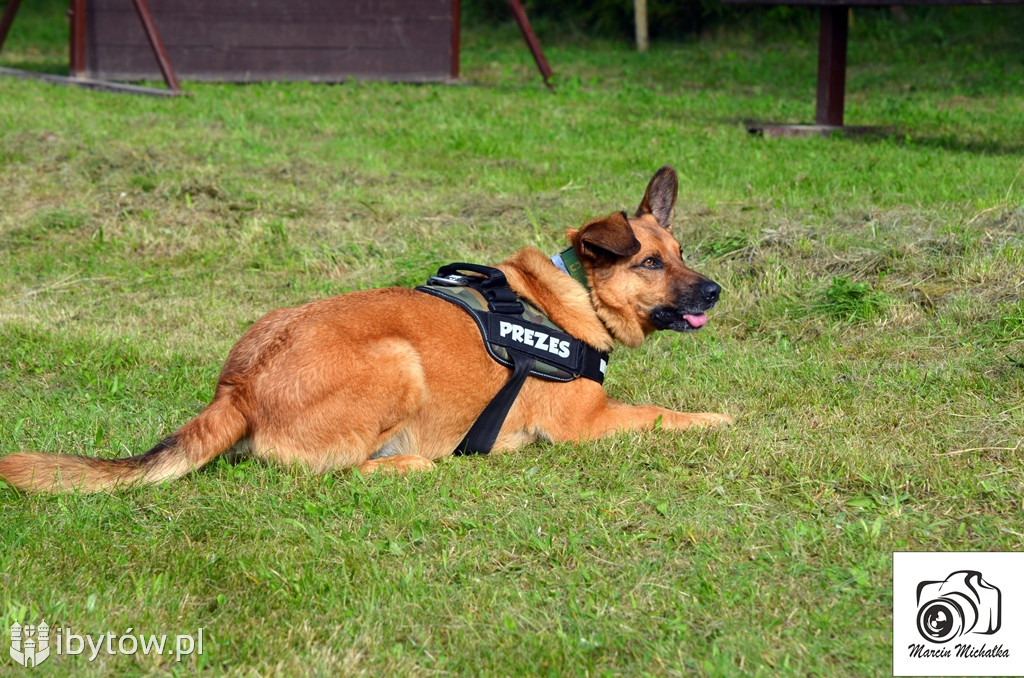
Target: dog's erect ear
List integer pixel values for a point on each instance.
(609, 237)
(660, 198)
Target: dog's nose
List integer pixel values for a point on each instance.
(709, 291)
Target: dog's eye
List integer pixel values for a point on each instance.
(653, 263)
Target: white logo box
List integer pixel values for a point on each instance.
(958, 614)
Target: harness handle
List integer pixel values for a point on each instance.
(490, 282)
(492, 276)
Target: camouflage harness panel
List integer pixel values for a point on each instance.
(558, 356)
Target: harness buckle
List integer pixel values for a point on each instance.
(450, 280)
(503, 300)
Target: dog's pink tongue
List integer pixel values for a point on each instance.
(696, 320)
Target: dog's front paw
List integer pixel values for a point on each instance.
(711, 419)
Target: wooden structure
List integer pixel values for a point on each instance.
(255, 40)
(832, 39)
(78, 51)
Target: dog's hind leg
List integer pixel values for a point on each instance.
(400, 463)
(399, 455)
(350, 408)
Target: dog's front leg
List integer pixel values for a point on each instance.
(581, 410)
(618, 416)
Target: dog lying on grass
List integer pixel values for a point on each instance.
(395, 378)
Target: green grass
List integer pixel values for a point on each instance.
(869, 342)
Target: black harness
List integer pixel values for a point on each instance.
(517, 335)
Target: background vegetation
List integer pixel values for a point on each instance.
(870, 342)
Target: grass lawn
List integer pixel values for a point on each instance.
(869, 342)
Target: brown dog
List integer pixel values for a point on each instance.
(393, 378)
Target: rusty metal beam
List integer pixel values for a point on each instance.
(832, 65)
(456, 30)
(532, 42)
(157, 44)
(7, 19)
(76, 39)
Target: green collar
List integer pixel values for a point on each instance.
(568, 262)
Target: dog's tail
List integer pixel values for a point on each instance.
(198, 442)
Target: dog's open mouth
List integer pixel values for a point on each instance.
(667, 318)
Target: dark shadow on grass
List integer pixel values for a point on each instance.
(946, 142)
(48, 66)
(905, 138)
(959, 145)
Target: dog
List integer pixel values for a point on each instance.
(392, 378)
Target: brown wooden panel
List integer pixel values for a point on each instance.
(247, 33)
(249, 40)
(253, 64)
(326, 9)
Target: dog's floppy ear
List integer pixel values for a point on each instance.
(660, 198)
(609, 237)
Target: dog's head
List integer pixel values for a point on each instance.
(637, 277)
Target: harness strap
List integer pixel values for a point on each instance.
(484, 432)
(508, 337)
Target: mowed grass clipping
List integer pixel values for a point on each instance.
(869, 342)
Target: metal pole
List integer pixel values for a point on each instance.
(157, 44)
(531, 41)
(76, 36)
(76, 64)
(456, 29)
(832, 65)
(7, 19)
(640, 19)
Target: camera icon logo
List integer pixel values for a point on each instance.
(962, 603)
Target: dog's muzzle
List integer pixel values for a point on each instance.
(688, 313)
